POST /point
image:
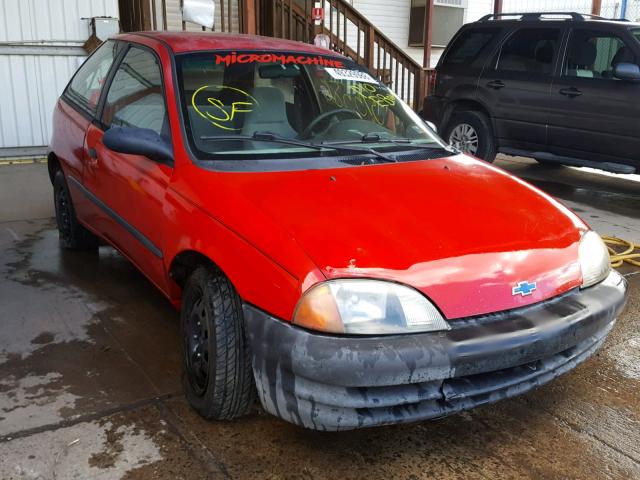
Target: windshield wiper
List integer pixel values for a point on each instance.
(272, 137)
(404, 142)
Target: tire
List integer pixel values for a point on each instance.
(218, 377)
(470, 123)
(73, 236)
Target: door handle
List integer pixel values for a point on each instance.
(496, 84)
(570, 92)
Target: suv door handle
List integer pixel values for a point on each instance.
(496, 84)
(570, 92)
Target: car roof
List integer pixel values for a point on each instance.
(182, 42)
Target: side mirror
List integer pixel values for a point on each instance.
(627, 71)
(139, 141)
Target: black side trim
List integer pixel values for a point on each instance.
(118, 219)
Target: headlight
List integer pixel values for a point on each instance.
(365, 307)
(594, 259)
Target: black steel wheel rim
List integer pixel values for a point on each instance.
(197, 347)
(63, 213)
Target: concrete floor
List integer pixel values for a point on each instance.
(89, 377)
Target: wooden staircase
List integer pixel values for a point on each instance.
(351, 34)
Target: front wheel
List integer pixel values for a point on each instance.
(218, 378)
(471, 132)
(73, 236)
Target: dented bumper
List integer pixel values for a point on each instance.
(329, 382)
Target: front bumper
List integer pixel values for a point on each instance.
(328, 382)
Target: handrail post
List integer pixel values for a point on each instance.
(369, 46)
(419, 89)
(497, 6)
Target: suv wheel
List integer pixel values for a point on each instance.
(218, 378)
(471, 132)
(73, 236)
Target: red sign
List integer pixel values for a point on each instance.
(317, 14)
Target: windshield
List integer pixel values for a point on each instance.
(234, 102)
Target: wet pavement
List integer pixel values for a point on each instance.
(90, 378)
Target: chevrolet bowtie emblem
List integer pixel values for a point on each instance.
(524, 288)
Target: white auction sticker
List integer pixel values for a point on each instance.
(352, 75)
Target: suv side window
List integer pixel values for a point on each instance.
(470, 46)
(135, 97)
(530, 50)
(594, 54)
(86, 85)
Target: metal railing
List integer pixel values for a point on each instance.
(354, 36)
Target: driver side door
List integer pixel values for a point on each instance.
(128, 191)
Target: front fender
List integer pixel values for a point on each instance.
(258, 279)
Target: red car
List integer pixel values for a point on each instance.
(327, 250)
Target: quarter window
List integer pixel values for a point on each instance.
(135, 98)
(530, 50)
(469, 46)
(86, 85)
(595, 54)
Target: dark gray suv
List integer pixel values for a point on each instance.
(562, 88)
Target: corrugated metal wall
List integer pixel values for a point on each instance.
(40, 48)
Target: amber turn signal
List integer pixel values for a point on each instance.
(317, 310)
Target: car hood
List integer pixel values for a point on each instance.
(461, 231)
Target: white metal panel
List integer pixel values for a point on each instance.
(391, 17)
(476, 9)
(50, 20)
(32, 85)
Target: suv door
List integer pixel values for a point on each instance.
(128, 191)
(516, 86)
(594, 115)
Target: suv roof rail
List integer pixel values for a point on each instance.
(574, 16)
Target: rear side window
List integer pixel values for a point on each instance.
(470, 46)
(636, 33)
(135, 97)
(530, 50)
(86, 85)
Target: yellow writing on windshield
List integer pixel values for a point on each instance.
(220, 105)
(370, 101)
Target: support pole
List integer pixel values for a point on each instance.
(623, 9)
(428, 31)
(596, 7)
(249, 17)
(497, 6)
